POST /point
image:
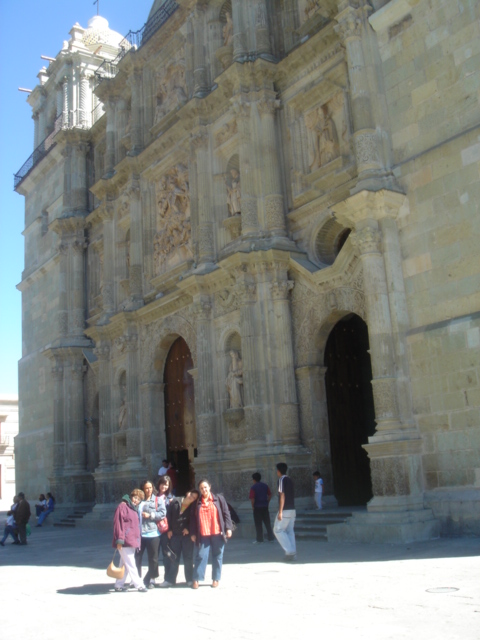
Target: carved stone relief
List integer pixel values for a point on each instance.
(225, 132)
(234, 382)
(323, 144)
(173, 218)
(171, 92)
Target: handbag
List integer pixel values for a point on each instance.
(113, 571)
(162, 525)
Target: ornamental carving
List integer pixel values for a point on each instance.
(173, 217)
(274, 212)
(226, 132)
(226, 300)
(249, 211)
(171, 93)
(385, 398)
(280, 289)
(311, 7)
(366, 149)
(367, 240)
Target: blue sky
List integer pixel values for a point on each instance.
(30, 29)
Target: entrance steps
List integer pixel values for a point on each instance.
(311, 524)
(71, 519)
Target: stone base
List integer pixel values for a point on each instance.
(100, 518)
(397, 528)
(457, 510)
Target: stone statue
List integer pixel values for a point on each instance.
(234, 194)
(171, 92)
(323, 138)
(235, 380)
(122, 414)
(228, 31)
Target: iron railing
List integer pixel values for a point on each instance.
(39, 153)
(135, 39)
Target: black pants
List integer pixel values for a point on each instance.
(151, 545)
(172, 550)
(262, 516)
(22, 532)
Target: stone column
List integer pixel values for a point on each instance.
(84, 111)
(136, 127)
(262, 36)
(274, 209)
(134, 439)
(253, 363)
(206, 248)
(110, 139)
(136, 250)
(108, 299)
(75, 415)
(284, 398)
(105, 408)
(58, 419)
(78, 178)
(59, 100)
(36, 136)
(239, 36)
(77, 287)
(247, 172)
(352, 21)
(153, 424)
(201, 87)
(62, 313)
(66, 122)
(204, 392)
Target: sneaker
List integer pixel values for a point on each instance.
(165, 585)
(120, 589)
(150, 585)
(142, 589)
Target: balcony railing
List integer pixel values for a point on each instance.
(135, 39)
(39, 153)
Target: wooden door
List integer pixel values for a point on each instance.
(181, 434)
(351, 413)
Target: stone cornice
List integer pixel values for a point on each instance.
(366, 205)
(40, 271)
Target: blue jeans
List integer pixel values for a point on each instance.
(43, 515)
(9, 531)
(285, 533)
(217, 545)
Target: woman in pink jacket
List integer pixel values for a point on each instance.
(127, 538)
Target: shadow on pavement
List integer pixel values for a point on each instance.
(87, 590)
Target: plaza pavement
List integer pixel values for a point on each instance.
(56, 588)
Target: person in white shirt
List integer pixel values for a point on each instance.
(318, 489)
(164, 468)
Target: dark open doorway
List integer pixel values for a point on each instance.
(351, 412)
(180, 428)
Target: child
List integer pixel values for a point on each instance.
(318, 489)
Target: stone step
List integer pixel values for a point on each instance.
(70, 519)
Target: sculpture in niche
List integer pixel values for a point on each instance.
(122, 414)
(234, 194)
(322, 137)
(235, 380)
(171, 92)
(173, 214)
(228, 30)
(312, 6)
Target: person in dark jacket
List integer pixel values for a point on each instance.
(127, 537)
(22, 515)
(178, 540)
(50, 508)
(211, 526)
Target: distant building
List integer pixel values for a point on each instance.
(8, 431)
(251, 235)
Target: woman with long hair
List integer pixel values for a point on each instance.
(150, 512)
(50, 508)
(211, 526)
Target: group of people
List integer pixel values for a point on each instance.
(17, 521)
(44, 507)
(154, 521)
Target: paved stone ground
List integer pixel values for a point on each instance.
(56, 588)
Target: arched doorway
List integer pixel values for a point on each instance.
(181, 434)
(351, 412)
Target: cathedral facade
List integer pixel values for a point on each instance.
(252, 236)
